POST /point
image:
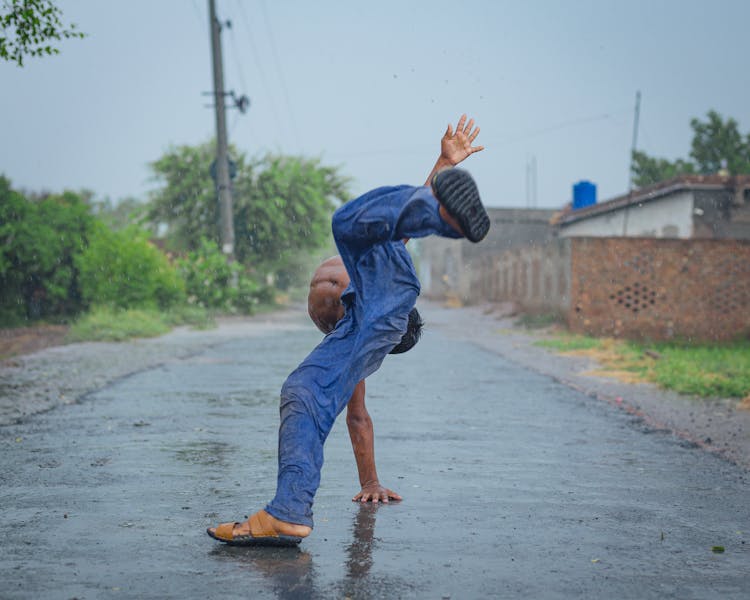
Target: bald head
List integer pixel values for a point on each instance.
(324, 300)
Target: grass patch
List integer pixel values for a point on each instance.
(104, 324)
(537, 321)
(704, 370)
(568, 343)
(195, 316)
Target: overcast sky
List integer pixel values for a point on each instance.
(371, 86)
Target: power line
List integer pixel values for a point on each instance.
(504, 140)
(256, 57)
(198, 13)
(280, 71)
(237, 62)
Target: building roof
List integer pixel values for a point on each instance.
(654, 192)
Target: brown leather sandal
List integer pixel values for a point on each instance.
(262, 533)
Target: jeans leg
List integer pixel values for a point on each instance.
(317, 391)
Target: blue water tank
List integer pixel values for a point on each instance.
(584, 194)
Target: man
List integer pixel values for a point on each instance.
(326, 309)
(369, 319)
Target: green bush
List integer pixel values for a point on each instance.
(208, 277)
(213, 283)
(39, 242)
(123, 269)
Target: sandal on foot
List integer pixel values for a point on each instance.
(456, 191)
(262, 533)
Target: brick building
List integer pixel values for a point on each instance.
(681, 271)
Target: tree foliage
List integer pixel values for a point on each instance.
(210, 281)
(281, 204)
(121, 214)
(186, 198)
(39, 241)
(29, 28)
(717, 145)
(122, 269)
(649, 169)
(285, 209)
(57, 259)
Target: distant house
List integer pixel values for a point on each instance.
(686, 207)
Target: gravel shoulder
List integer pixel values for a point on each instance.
(55, 376)
(64, 374)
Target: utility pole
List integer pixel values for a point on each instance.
(636, 118)
(223, 184)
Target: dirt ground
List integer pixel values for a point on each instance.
(25, 340)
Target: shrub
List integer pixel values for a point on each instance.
(39, 243)
(213, 283)
(123, 269)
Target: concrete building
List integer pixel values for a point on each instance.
(686, 207)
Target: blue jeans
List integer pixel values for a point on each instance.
(383, 290)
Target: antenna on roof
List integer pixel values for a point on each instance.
(636, 118)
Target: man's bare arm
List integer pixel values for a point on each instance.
(363, 443)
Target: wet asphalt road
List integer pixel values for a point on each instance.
(514, 486)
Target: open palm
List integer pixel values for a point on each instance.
(456, 147)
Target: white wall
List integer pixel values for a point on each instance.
(666, 217)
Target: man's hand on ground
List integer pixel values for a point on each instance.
(456, 147)
(374, 492)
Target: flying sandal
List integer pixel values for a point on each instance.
(456, 191)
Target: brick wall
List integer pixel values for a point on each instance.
(645, 288)
(660, 288)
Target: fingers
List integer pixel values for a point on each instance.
(461, 123)
(449, 131)
(474, 135)
(383, 495)
(469, 125)
(476, 149)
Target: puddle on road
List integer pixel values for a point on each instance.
(235, 397)
(250, 399)
(201, 453)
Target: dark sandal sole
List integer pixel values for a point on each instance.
(284, 541)
(456, 190)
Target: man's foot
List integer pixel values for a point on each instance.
(261, 529)
(460, 205)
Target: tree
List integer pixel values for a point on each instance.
(121, 214)
(39, 241)
(716, 145)
(285, 209)
(282, 204)
(29, 26)
(186, 198)
(648, 169)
